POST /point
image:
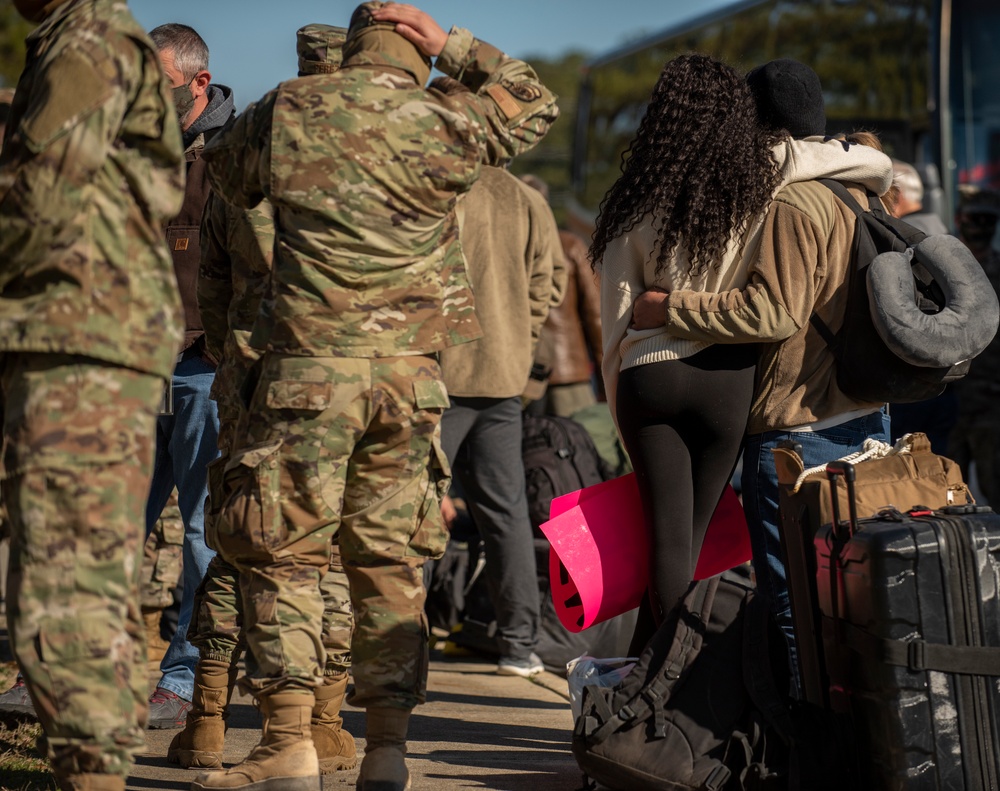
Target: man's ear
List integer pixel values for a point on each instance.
(200, 83)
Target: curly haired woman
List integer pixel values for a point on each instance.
(686, 215)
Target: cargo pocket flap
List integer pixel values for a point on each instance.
(430, 394)
(290, 394)
(252, 456)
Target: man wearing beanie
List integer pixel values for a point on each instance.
(799, 272)
(363, 168)
(237, 252)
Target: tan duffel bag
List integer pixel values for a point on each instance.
(899, 476)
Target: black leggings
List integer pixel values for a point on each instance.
(683, 423)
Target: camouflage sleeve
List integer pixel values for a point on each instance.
(516, 110)
(215, 281)
(72, 117)
(239, 158)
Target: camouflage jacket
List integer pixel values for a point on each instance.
(92, 166)
(237, 248)
(363, 169)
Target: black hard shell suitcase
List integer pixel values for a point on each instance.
(910, 619)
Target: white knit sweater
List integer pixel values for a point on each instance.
(629, 263)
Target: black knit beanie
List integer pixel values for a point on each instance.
(789, 96)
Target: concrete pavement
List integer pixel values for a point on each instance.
(477, 730)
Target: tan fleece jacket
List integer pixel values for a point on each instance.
(629, 266)
(802, 266)
(515, 263)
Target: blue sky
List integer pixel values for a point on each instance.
(252, 42)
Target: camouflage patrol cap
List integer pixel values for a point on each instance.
(320, 48)
(362, 17)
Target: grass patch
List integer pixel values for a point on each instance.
(21, 766)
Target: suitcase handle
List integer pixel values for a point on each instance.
(845, 468)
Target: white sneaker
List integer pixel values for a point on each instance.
(526, 668)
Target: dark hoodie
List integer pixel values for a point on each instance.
(184, 231)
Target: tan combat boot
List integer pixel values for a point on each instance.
(334, 746)
(285, 759)
(89, 782)
(156, 646)
(384, 766)
(200, 744)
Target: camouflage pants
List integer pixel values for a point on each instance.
(217, 622)
(77, 463)
(162, 558)
(348, 448)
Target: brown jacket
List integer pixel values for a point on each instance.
(573, 328)
(801, 267)
(515, 264)
(184, 241)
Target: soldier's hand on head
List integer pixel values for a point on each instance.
(414, 25)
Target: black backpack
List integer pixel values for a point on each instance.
(703, 708)
(559, 457)
(868, 368)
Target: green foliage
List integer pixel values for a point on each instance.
(550, 159)
(13, 30)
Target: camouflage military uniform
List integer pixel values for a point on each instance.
(363, 168)
(162, 558)
(90, 324)
(237, 252)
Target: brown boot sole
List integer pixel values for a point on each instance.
(327, 766)
(271, 784)
(195, 759)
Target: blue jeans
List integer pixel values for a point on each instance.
(186, 442)
(760, 500)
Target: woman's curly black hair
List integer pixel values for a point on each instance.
(700, 163)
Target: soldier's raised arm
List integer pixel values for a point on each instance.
(515, 108)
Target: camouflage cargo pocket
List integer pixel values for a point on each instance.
(249, 519)
(213, 504)
(431, 536)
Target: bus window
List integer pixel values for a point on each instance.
(974, 98)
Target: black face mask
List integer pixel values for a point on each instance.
(183, 101)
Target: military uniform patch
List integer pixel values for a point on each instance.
(508, 105)
(525, 91)
(181, 244)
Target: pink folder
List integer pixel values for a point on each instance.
(598, 561)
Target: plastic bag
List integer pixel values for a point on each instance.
(589, 670)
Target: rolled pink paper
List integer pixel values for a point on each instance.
(598, 562)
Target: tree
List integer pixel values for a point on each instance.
(13, 30)
(550, 159)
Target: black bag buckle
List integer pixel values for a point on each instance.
(916, 655)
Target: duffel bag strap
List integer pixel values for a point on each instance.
(919, 655)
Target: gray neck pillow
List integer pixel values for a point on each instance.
(963, 326)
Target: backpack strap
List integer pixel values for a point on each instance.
(650, 701)
(838, 189)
